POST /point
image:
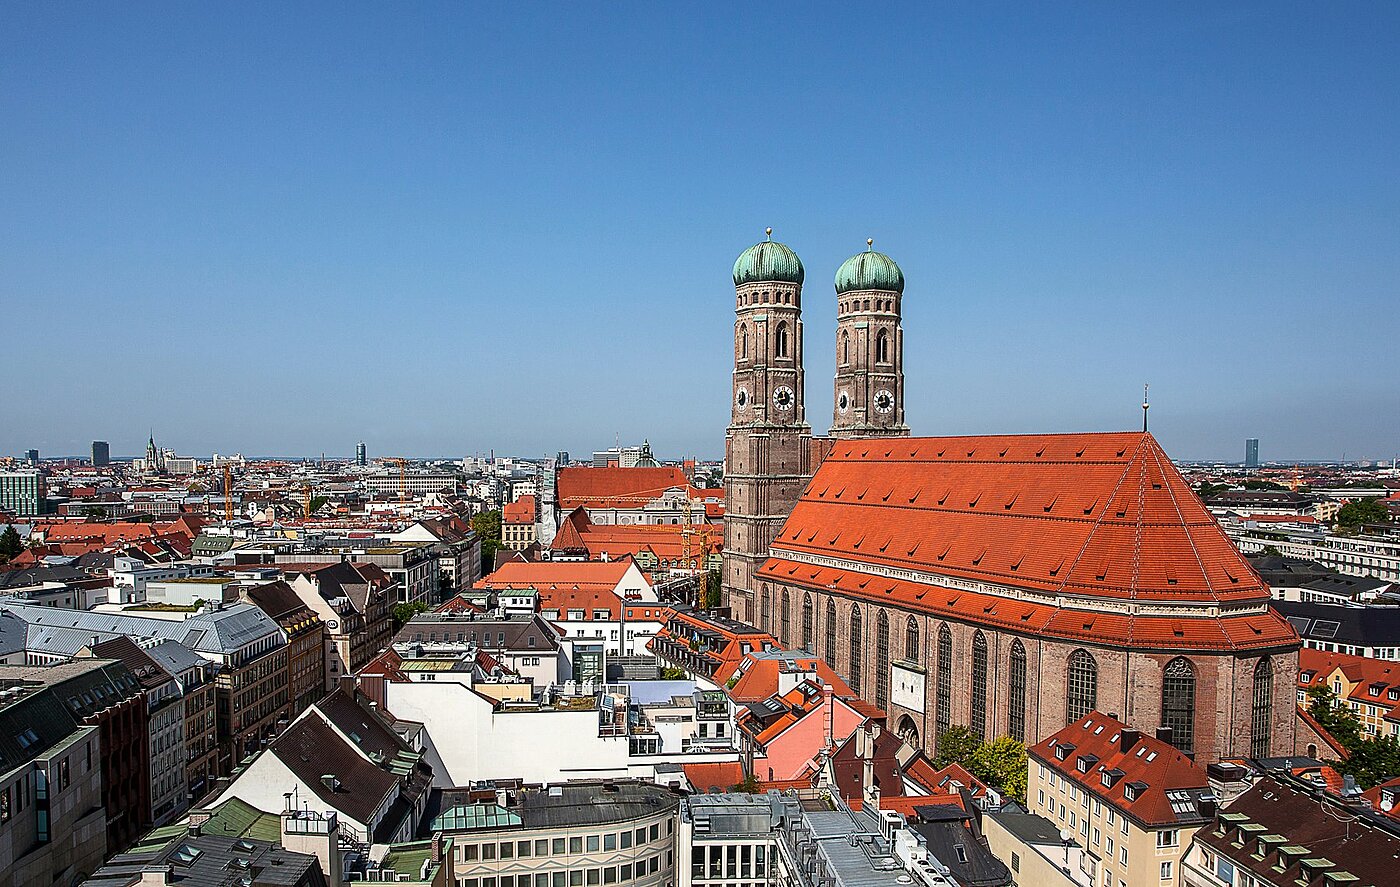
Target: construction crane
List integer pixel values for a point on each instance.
(403, 477)
(228, 493)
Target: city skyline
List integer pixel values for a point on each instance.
(226, 221)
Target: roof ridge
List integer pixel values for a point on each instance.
(1190, 540)
(1089, 537)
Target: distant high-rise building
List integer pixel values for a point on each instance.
(361, 457)
(22, 492)
(101, 454)
(32, 457)
(1251, 452)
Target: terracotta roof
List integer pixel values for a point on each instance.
(616, 487)
(1067, 516)
(1106, 745)
(760, 673)
(722, 775)
(1385, 798)
(665, 541)
(563, 575)
(521, 511)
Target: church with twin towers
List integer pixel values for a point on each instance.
(1008, 583)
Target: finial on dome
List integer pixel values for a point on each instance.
(769, 232)
(1145, 405)
(869, 244)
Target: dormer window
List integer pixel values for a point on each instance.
(1063, 751)
(1133, 790)
(1109, 777)
(1086, 762)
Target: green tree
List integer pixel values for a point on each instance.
(956, 745)
(1271, 551)
(401, 613)
(1002, 763)
(749, 786)
(1370, 510)
(10, 544)
(711, 597)
(488, 527)
(1206, 489)
(1371, 761)
(1263, 485)
(317, 503)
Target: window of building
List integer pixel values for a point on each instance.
(1167, 838)
(882, 660)
(1261, 723)
(1179, 703)
(979, 686)
(1016, 693)
(806, 621)
(882, 347)
(912, 651)
(592, 843)
(830, 638)
(1081, 685)
(743, 341)
(780, 341)
(857, 640)
(784, 625)
(943, 716)
(845, 347)
(1166, 871)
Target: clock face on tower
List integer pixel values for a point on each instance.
(884, 401)
(782, 398)
(742, 399)
(843, 402)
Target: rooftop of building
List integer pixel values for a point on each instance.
(564, 805)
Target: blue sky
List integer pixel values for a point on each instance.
(442, 229)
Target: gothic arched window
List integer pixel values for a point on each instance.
(784, 626)
(979, 686)
(1016, 693)
(1081, 686)
(1179, 703)
(943, 717)
(1262, 722)
(882, 347)
(857, 647)
(911, 640)
(806, 621)
(743, 342)
(766, 616)
(845, 347)
(829, 651)
(882, 660)
(780, 343)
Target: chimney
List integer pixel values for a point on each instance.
(437, 847)
(347, 683)
(155, 876)
(1127, 739)
(1205, 806)
(1164, 734)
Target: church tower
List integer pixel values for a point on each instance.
(869, 395)
(768, 446)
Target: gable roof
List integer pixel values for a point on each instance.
(616, 487)
(1076, 517)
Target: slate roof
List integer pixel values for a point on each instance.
(310, 748)
(215, 861)
(217, 632)
(1354, 626)
(1077, 516)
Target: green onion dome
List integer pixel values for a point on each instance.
(768, 261)
(869, 271)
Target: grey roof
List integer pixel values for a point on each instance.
(214, 861)
(39, 575)
(174, 656)
(1032, 828)
(1329, 623)
(219, 631)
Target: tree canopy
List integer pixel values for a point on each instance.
(1370, 510)
(10, 543)
(1000, 763)
(1370, 759)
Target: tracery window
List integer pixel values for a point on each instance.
(1262, 722)
(845, 347)
(1179, 703)
(806, 621)
(882, 347)
(1081, 686)
(912, 652)
(829, 648)
(1016, 693)
(943, 718)
(781, 340)
(784, 625)
(857, 647)
(744, 341)
(979, 686)
(882, 660)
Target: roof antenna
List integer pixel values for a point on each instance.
(870, 244)
(1144, 408)
(769, 232)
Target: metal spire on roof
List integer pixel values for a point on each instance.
(769, 232)
(1144, 408)
(870, 244)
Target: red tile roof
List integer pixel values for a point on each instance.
(521, 511)
(722, 775)
(1116, 747)
(666, 541)
(616, 487)
(568, 575)
(1061, 515)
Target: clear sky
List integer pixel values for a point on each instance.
(442, 229)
